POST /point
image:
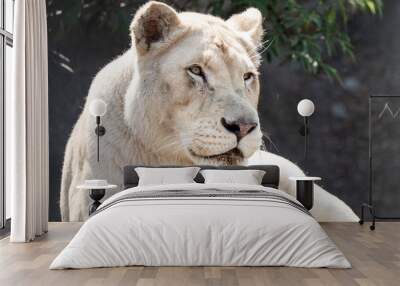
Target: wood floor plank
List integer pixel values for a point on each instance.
(375, 258)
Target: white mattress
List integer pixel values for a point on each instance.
(191, 231)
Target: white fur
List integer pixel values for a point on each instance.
(327, 207)
(157, 114)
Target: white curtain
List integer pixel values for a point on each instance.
(27, 123)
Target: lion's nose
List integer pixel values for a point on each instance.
(239, 128)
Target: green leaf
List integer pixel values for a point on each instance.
(307, 33)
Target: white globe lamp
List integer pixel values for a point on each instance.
(305, 108)
(98, 108)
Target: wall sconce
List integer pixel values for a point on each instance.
(98, 108)
(305, 108)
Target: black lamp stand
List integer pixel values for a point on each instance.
(100, 131)
(305, 131)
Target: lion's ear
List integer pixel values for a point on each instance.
(155, 24)
(250, 22)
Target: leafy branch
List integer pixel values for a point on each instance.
(306, 32)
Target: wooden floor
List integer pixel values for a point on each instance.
(375, 257)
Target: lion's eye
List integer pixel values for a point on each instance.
(248, 76)
(196, 70)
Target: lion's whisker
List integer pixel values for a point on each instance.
(260, 46)
(265, 135)
(168, 146)
(263, 50)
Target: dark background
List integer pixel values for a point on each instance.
(339, 135)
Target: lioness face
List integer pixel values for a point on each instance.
(207, 68)
(216, 89)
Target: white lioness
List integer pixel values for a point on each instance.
(185, 93)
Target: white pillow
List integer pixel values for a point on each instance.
(164, 176)
(248, 177)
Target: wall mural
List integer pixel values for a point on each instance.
(185, 91)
